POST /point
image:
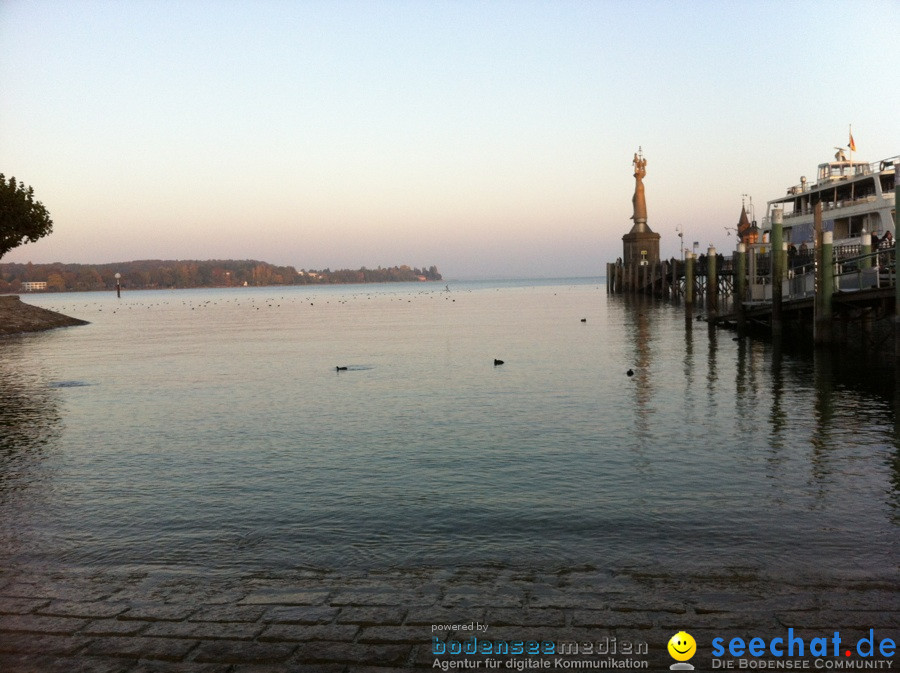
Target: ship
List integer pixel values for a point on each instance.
(857, 197)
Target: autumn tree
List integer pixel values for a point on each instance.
(22, 219)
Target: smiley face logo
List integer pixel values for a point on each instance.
(682, 647)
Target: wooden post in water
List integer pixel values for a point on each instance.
(689, 290)
(823, 325)
(740, 287)
(712, 287)
(896, 275)
(674, 282)
(865, 249)
(776, 271)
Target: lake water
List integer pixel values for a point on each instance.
(210, 429)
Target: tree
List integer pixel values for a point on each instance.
(22, 219)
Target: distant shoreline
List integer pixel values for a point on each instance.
(153, 274)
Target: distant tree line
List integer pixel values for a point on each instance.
(160, 274)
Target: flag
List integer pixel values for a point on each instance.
(852, 144)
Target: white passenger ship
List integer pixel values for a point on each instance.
(856, 196)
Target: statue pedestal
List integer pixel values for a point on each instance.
(640, 246)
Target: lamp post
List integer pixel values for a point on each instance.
(118, 286)
(680, 229)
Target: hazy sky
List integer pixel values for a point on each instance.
(489, 138)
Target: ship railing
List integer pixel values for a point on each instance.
(873, 270)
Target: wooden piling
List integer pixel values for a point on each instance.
(865, 249)
(823, 328)
(776, 272)
(740, 287)
(712, 287)
(689, 291)
(896, 258)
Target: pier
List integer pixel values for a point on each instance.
(844, 295)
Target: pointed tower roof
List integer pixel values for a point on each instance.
(743, 223)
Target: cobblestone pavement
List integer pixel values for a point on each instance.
(167, 621)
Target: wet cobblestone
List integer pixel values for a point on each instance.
(159, 621)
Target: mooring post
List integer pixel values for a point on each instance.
(776, 272)
(674, 282)
(896, 258)
(823, 324)
(712, 287)
(865, 250)
(740, 286)
(689, 290)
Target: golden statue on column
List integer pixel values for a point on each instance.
(641, 245)
(638, 200)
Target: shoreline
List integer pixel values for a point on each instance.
(17, 317)
(172, 620)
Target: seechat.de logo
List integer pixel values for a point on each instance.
(682, 647)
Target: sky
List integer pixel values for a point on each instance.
(490, 138)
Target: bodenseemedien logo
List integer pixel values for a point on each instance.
(682, 647)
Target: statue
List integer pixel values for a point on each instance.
(640, 204)
(641, 246)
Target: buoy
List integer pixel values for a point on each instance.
(584, 320)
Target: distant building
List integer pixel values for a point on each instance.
(34, 286)
(748, 232)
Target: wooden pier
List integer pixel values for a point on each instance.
(844, 295)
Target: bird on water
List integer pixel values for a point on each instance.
(630, 372)
(497, 362)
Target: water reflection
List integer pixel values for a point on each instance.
(638, 309)
(30, 423)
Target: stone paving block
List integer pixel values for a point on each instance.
(351, 653)
(231, 631)
(304, 632)
(158, 612)
(378, 616)
(288, 668)
(39, 643)
(525, 617)
(719, 620)
(35, 663)
(140, 647)
(10, 605)
(168, 629)
(607, 619)
(301, 614)
(228, 613)
(839, 619)
(394, 634)
(286, 597)
(564, 600)
(90, 610)
(112, 627)
(230, 652)
(41, 623)
(474, 596)
(875, 600)
(440, 616)
(226, 597)
(380, 596)
(178, 667)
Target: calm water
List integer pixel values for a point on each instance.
(210, 429)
